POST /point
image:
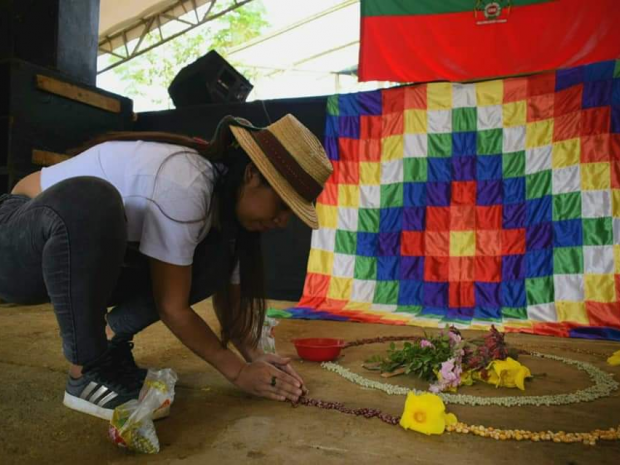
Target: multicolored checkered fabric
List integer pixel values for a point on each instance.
(473, 204)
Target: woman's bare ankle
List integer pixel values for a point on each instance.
(75, 371)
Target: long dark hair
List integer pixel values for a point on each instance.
(242, 322)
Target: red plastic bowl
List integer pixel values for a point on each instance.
(319, 349)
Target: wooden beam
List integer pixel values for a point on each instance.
(43, 158)
(73, 92)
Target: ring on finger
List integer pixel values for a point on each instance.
(273, 381)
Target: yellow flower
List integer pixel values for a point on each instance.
(467, 378)
(508, 373)
(426, 413)
(615, 358)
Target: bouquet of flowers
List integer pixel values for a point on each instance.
(447, 361)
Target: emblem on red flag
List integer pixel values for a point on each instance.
(492, 11)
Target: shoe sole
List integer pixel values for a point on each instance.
(81, 405)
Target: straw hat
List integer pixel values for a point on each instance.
(292, 160)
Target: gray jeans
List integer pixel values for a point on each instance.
(68, 246)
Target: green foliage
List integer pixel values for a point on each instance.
(156, 68)
(424, 358)
(423, 362)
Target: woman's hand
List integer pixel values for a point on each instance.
(263, 379)
(284, 364)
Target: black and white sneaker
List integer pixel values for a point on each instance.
(105, 384)
(121, 350)
(102, 387)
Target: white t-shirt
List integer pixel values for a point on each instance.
(166, 190)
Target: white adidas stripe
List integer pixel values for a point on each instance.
(106, 399)
(88, 389)
(98, 394)
(101, 396)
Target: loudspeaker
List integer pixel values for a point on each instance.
(58, 34)
(43, 113)
(210, 79)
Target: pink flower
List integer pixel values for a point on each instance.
(448, 377)
(454, 338)
(426, 343)
(449, 372)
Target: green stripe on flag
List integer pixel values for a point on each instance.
(431, 7)
(515, 313)
(346, 242)
(411, 309)
(498, 321)
(386, 292)
(276, 313)
(332, 105)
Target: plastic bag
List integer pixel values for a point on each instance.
(132, 425)
(267, 339)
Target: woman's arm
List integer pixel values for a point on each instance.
(250, 353)
(171, 288)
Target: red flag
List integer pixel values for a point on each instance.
(459, 40)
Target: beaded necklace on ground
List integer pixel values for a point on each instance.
(604, 384)
(575, 350)
(588, 438)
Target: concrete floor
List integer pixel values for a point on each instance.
(211, 421)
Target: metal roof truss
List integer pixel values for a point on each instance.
(119, 44)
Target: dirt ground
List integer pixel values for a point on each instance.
(211, 421)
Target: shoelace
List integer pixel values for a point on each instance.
(115, 375)
(123, 356)
(123, 353)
